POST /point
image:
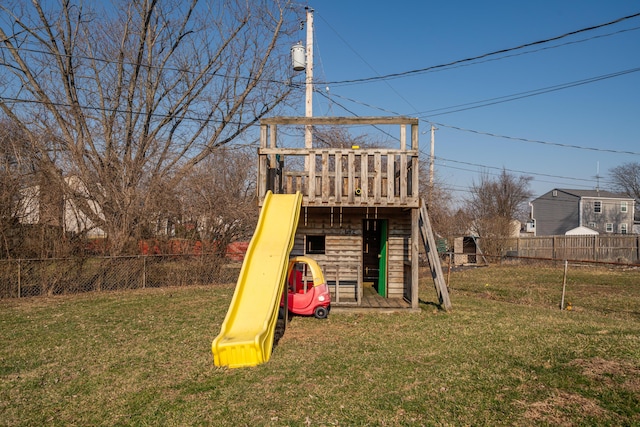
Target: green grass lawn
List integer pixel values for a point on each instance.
(505, 355)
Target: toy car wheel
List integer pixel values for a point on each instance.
(321, 312)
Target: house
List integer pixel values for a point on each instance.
(40, 204)
(360, 211)
(564, 211)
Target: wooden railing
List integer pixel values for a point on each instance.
(341, 177)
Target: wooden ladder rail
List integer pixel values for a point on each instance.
(478, 248)
(432, 255)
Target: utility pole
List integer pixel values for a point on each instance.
(431, 163)
(309, 80)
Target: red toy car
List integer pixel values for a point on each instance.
(306, 297)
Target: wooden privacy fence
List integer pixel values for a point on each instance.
(598, 248)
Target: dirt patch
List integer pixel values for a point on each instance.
(564, 408)
(611, 372)
(559, 409)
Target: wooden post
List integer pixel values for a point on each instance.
(391, 178)
(364, 176)
(415, 266)
(351, 187)
(564, 284)
(144, 272)
(377, 185)
(311, 185)
(359, 289)
(338, 180)
(19, 277)
(337, 283)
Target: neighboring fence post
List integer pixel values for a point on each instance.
(564, 284)
(144, 272)
(19, 278)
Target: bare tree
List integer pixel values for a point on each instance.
(440, 204)
(626, 179)
(220, 197)
(137, 93)
(337, 137)
(14, 175)
(494, 205)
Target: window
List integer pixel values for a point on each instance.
(315, 245)
(592, 225)
(623, 228)
(609, 227)
(623, 207)
(554, 193)
(597, 206)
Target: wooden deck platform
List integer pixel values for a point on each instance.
(373, 302)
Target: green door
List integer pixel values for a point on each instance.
(374, 254)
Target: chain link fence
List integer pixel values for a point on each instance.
(45, 277)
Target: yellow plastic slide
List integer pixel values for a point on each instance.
(247, 332)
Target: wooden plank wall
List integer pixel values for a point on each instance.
(343, 242)
(399, 254)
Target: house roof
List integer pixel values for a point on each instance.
(581, 231)
(594, 193)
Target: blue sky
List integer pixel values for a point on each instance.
(362, 39)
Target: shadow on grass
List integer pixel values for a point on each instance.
(432, 304)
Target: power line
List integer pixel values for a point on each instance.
(485, 55)
(512, 170)
(483, 166)
(491, 167)
(557, 144)
(466, 189)
(147, 66)
(534, 141)
(526, 94)
(528, 52)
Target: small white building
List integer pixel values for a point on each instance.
(581, 231)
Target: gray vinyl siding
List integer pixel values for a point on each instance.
(555, 215)
(610, 213)
(559, 211)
